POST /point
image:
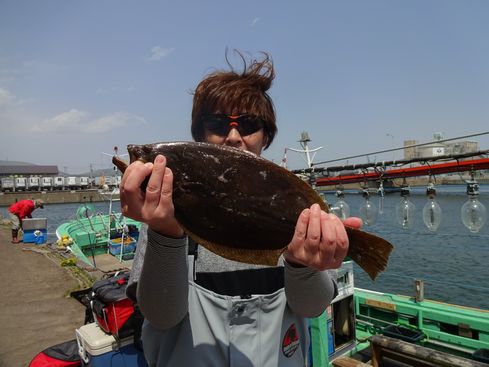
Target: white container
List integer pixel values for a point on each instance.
(7, 184)
(72, 182)
(59, 183)
(84, 182)
(34, 223)
(33, 183)
(47, 182)
(20, 183)
(98, 349)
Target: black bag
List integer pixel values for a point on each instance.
(112, 309)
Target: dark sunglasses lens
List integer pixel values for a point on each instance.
(249, 125)
(221, 124)
(216, 125)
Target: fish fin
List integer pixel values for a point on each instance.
(370, 252)
(119, 163)
(261, 257)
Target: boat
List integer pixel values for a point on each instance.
(90, 236)
(363, 325)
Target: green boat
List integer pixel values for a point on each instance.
(91, 235)
(394, 330)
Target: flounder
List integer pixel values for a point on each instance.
(244, 207)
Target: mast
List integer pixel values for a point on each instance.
(304, 139)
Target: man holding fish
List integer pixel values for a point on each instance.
(202, 309)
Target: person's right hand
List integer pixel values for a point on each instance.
(155, 206)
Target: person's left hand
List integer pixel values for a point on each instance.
(320, 240)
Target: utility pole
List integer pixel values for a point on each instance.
(392, 136)
(90, 179)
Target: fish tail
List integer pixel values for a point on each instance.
(370, 252)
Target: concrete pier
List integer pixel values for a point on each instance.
(35, 313)
(54, 197)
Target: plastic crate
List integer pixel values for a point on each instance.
(128, 248)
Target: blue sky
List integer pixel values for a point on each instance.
(79, 77)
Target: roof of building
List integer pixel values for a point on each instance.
(28, 170)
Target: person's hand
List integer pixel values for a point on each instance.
(320, 240)
(155, 206)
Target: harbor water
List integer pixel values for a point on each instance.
(453, 262)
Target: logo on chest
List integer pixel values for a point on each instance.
(290, 343)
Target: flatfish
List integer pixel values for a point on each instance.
(242, 206)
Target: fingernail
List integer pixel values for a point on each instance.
(159, 159)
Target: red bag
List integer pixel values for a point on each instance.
(60, 355)
(112, 310)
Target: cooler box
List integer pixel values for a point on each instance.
(35, 230)
(98, 349)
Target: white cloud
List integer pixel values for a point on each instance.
(112, 121)
(76, 121)
(158, 53)
(256, 20)
(6, 98)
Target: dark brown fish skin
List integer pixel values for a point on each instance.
(244, 204)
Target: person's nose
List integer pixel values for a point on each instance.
(234, 138)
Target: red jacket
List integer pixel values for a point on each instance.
(22, 209)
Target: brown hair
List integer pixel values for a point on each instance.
(232, 92)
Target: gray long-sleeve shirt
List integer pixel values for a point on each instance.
(163, 284)
(164, 288)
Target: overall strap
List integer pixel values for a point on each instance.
(192, 258)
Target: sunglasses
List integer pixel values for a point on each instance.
(221, 125)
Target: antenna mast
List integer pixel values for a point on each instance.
(304, 139)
